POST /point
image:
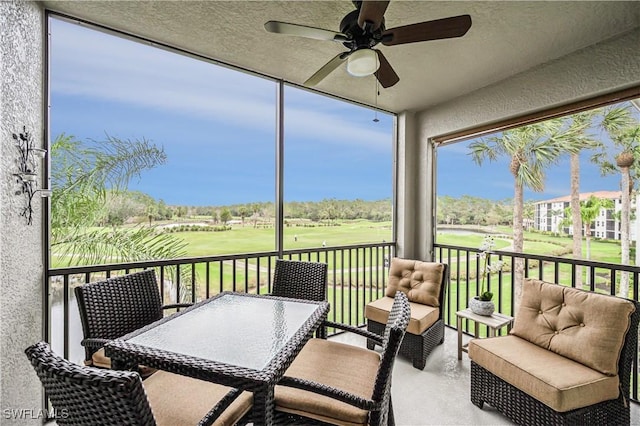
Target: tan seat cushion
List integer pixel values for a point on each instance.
(180, 400)
(422, 316)
(100, 360)
(350, 368)
(420, 281)
(587, 327)
(552, 379)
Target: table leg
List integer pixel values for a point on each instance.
(459, 325)
(492, 332)
(263, 405)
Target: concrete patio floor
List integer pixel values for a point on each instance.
(439, 395)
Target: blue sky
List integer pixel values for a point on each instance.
(217, 127)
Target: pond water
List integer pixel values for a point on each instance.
(461, 231)
(56, 323)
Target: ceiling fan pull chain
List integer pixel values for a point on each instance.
(377, 87)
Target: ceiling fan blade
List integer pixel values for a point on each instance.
(326, 69)
(385, 74)
(372, 11)
(455, 26)
(303, 31)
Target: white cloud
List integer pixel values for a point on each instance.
(94, 64)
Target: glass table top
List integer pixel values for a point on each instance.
(232, 329)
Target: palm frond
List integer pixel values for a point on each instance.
(616, 118)
(81, 246)
(110, 163)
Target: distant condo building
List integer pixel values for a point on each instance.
(549, 216)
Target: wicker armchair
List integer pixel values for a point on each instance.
(523, 407)
(426, 285)
(117, 306)
(336, 383)
(90, 396)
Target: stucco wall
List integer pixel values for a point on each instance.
(21, 268)
(405, 192)
(602, 68)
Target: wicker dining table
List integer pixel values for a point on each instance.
(234, 339)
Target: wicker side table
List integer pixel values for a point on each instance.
(494, 322)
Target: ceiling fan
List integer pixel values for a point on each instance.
(361, 30)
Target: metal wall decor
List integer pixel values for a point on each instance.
(27, 174)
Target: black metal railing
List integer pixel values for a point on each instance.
(357, 275)
(466, 276)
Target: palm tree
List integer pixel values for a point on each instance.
(589, 211)
(530, 149)
(624, 131)
(243, 211)
(559, 214)
(577, 131)
(83, 175)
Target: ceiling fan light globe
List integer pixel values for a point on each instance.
(362, 62)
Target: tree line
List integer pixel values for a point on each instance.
(133, 206)
(130, 207)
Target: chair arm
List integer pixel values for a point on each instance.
(94, 342)
(177, 305)
(356, 330)
(220, 407)
(340, 395)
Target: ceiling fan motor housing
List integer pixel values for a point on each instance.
(359, 38)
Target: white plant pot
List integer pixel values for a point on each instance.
(481, 307)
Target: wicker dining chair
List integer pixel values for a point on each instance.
(300, 280)
(117, 306)
(82, 395)
(336, 383)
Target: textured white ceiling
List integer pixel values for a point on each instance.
(505, 38)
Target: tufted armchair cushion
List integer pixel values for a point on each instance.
(586, 327)
(420, 281)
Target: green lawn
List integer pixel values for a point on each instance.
(247, 239)
(341, 294)
(351, 264)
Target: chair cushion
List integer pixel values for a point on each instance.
(420, 281)
(337, 365)
(587, 327)
(552, 379)
(422, 316)
(100, 360)
(181, 400)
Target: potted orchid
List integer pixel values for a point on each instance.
(483, 304)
